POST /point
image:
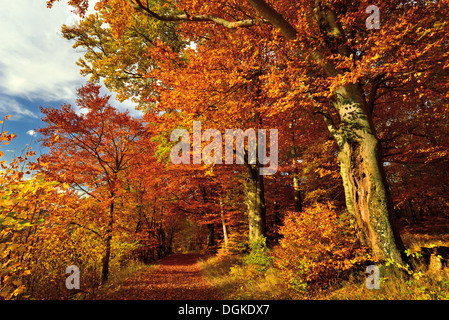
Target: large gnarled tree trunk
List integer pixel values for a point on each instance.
(366, 190)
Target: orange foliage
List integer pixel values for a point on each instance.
(317, 248)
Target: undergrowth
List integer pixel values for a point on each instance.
(319, 258)
(238, 280)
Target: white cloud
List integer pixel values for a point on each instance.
(37, 63)
(125, 105)
(31, 132)
(9, 106)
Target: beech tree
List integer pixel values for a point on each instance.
(90, 151)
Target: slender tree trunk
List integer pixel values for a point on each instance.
(277, 221)
(411, 212)
(255, 202)
(296, 188)
(161, 245)
(366, 191)
(107, 250)
(223, 223)
(210, 235)
(170, 241)
(295, 173)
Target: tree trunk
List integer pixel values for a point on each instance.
(296, 188)
(161, 244)
(107, 250)
(295, 173)
(170, 241)
(223, 223)
(412, 214)
(255, 202)
(210, 235)
(366, 190)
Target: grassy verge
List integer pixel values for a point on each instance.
(117, 279)
(257, 275)
(396, 286)
(238, 280)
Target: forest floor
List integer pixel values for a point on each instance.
(176, 277)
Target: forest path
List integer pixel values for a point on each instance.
(176, 277)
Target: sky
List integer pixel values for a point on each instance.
(37, 68)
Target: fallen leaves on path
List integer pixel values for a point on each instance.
(178, 277)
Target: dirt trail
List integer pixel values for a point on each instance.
(178, 277)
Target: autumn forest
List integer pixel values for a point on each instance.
(347, 106)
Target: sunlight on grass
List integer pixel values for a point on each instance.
(119, 276)
(239, 281)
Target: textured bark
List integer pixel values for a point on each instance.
(277, 20)
(366, 190)
(107, 250)
(255, 202)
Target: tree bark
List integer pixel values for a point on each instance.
(296, 187)
(295, 173)
(210, 235)
(223, 223)
(366, 191)
(255, 202)
(107, 249)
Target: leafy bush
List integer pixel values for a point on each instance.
(259, 256)
(318, 247)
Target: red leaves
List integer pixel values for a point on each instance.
(177, 277)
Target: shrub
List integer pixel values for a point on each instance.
(318, 247)
(259, 257)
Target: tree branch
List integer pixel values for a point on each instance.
(138, 6)
(372, 95)
(274, 18)
(329, 123)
